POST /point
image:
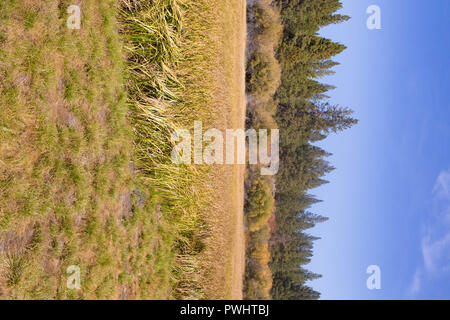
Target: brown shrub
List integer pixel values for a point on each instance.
(263, 75)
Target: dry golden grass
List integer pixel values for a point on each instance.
(69, 194)
(209, 86)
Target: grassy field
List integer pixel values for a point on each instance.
(85, 173)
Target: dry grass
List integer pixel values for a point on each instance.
(199, 75)
(68, 196)
(224, 37)
(74, 191)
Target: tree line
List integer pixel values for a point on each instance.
(304, 116)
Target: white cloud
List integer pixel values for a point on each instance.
(442, 186)
(415, 286)
(435, 243)
(436, 254)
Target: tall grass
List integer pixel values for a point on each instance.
(154, 38)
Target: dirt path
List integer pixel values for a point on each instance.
(239, 170)
(225, 254)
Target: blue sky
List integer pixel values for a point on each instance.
(389, 199)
